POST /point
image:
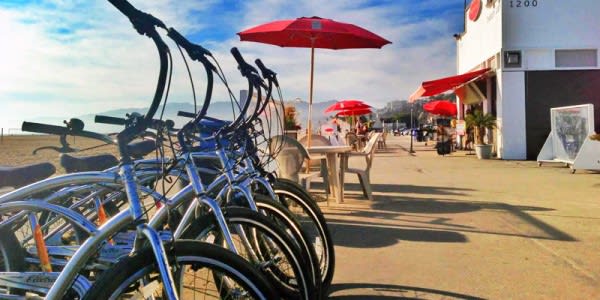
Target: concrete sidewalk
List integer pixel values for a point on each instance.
(456, 227)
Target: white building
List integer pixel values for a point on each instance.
(541, 54)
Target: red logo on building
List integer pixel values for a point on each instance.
(474, 10)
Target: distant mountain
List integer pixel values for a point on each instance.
(221, 110)
(218, 109)
(318, 115)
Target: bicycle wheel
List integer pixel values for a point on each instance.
(300, 203)
(196, 267)
(12, 258)
(265, 245)
(279, 214)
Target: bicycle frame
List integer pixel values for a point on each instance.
(97, 236)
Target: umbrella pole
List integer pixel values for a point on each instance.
(310, 96)
(310, 101)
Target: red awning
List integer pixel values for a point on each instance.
(437, 86)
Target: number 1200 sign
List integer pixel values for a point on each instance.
(523, 3)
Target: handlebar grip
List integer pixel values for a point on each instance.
(244, 66)
(137, 17)
(238, 56)
(125, 8)
(44, 128)
(266, 72)
(186, 114)
(185, 43)
(110, 120)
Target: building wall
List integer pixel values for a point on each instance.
(482, 38)
(548, 89)
(511, 115)
(550, 24)
(538, 30)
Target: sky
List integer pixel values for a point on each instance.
(62, 58)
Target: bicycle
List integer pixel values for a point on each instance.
(247, 277)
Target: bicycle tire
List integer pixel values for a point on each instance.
(198, 255)
(290, 193)
(297, 284)
(12, 257)
(282, 216)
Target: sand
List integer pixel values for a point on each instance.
(17, 150)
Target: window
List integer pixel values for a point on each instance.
(512, 59)
(576, 58)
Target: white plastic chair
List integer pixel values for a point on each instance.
(364, 174)
(291, 161)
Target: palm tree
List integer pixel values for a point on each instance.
(480, 122)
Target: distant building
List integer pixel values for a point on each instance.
(396, 105)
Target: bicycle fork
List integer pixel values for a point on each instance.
(127, 175)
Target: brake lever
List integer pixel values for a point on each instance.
(66, 148)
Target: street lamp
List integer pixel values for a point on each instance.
(411, 129)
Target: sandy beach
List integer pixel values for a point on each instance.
(17, 150)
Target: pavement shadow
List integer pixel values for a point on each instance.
(393, 206)
(407, 150)
(374, 235)
(410, 189)
(385, 151)
(375, 291)
(424, 205)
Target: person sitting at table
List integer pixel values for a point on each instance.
(361, 128)
(361, 134)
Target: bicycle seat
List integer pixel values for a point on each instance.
(24, 175)
(87, 163)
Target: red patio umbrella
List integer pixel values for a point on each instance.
(347, 105)
(440, 107)
(354, 112)
(313, 32)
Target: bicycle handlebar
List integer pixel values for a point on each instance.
(266, 72)
(145, 25)
(44, 128)
(154, 123)
(110, 120)
(198, 53)
(194, 50)
(186, 114)
(142, 22)
(245, 68)
(59, 130)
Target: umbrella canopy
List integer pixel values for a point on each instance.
(354, 112)
(347, 105)
(313, 32)
(441, 107)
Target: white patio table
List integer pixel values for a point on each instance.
(334, 168)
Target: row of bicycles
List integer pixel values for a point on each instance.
(202, 218)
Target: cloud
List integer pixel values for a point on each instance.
(67, 58)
